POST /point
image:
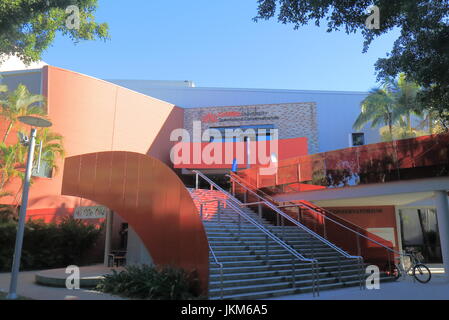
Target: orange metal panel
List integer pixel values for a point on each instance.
(151, 198)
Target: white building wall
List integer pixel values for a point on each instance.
(336, 111)
(136, 250)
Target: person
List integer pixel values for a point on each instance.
(124, 236)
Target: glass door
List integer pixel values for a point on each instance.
(419, 230)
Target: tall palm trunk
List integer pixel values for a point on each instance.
(390, 125)
(2, 181)
(409, 123)
(430, 119)
(8, 130)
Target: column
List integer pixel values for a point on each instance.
(441, 204)
(107, 241)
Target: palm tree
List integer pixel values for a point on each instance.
(19, 103)
(377, 108)
(406, 102)
(9, 164)
(52, 150)
(392, 105)
(52, 147)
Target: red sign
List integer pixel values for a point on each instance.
(214, 117)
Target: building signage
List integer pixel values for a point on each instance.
(237, 116)
(95, 212)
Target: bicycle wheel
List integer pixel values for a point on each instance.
(422, 273)
(396, 272)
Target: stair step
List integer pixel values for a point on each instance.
(299, 277)
(282, 266)
(240, 246)
(329, 271)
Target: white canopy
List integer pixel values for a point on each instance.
(13, 63)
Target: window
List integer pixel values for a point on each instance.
(44, 170)
(357, 139)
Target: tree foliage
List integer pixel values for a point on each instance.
(151, 283)
(49, 245)
(17, 103)
(421, 52)
(393, 105)
(28, 27)
(14, 104)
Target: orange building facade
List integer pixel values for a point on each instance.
(114, 137)
(95, 116)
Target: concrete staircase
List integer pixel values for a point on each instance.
(250, 272)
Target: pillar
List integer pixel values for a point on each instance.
(441, 204)
(107, 241)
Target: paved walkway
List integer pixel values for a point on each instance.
(436, 289)
(28, 288)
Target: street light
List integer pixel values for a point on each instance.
(33, 122)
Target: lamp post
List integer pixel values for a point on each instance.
(33, 122)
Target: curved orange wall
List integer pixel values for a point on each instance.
(151, 198)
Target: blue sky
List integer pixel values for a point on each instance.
(216, 44)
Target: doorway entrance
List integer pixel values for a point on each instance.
(419, 232)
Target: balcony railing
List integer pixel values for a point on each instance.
(422, 157)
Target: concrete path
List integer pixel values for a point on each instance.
(436, 289)
(28, 288)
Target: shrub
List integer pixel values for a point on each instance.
(7, 214)
(151, 283)
(48, 245)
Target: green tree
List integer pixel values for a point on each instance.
(19, 103)
(378, 109)
(407, 103)
(28, 27)
(400, 132)
(52, 148)
(421, 51)
(394, 105)
(13, 156)
(9, 165)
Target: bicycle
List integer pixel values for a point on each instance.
(418, 270)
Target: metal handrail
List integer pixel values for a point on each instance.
(194, 196)
(220, 265)
(347, 228)
(359, 259)
(231, 201)
(286, 216)
(319, 213)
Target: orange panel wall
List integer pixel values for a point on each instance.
(163, 214)
(369, 217)
(93, 116)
